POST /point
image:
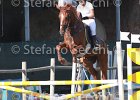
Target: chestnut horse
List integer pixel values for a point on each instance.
(75, 39)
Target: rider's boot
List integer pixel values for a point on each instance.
(94, 43)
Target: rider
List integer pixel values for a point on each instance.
(87, 11)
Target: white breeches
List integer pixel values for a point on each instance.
(91, 23)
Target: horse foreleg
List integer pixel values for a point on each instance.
(89, 67)
(60, 58)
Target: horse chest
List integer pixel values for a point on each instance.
(69, 41)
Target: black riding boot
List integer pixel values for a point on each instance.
(93, 41)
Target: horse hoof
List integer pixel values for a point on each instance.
(97, 96)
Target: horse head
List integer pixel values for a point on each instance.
(67, 18)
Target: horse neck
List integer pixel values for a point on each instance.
(76, 27)
(73, 20)
(72, 30)
(79, 26)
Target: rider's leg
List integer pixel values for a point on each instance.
(93, 41)
(92, 26)
(91, 23)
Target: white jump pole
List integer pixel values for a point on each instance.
(52, 77)
(110, 65)
(79, 77)
(73, 77)
(103, 90)
(129, 72)
(24, 77)
(120, 71)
